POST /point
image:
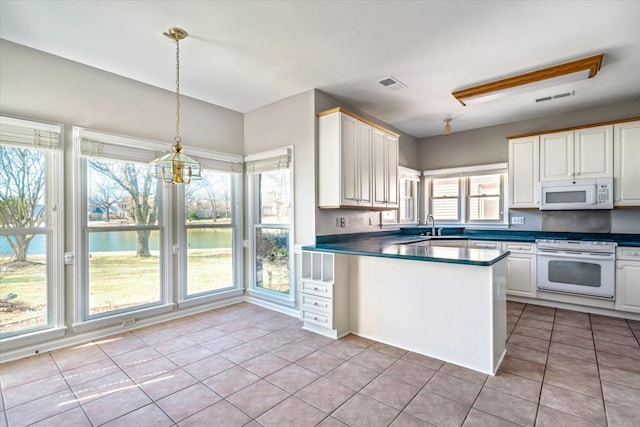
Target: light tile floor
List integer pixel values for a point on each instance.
(245, 365)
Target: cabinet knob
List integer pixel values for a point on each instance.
(315, 303)
(634, 254)
(315, 318)
(315, 288)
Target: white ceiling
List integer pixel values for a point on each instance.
(245, 54)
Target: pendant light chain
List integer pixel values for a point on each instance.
(176, 167)
(178, 139)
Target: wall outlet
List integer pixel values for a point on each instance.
(517, 220)
(127, 322)
(340, 222)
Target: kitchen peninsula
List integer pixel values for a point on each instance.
(450, 302)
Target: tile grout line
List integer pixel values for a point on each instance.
(73, 393)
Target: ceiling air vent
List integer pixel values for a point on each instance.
(549, 98)
(391, 83)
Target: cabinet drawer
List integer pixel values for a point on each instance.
(315, 318)
(628, 253)
(480, 244)
(319, 304)
(318, 289)
(521, 247)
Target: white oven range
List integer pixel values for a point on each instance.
(580, 267)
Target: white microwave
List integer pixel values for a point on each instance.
(578, 194)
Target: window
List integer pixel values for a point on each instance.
(407, 213)
(127, 254)
(484, 197)
(467, 195)
(271, 211)
(211, 233)
(31, 226)
(123, 248)
(445, 199)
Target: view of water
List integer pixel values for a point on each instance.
(113, 241)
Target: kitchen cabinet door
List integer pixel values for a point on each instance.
(385, 170)
(628, 286)
(626, 175)
(350, 172)
(356, 162)
(521, 275)
(524, 172)
(556, 156)
(593, 152)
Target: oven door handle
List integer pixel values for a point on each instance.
(575, 255)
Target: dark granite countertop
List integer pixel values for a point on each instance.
(395, 246)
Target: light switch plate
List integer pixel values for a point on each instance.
(517, 220)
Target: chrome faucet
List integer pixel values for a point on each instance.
(433, 224)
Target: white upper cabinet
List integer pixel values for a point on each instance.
(583, 153)
(524, 172)
(594, 152)
(626, 164)
(556, 156)
(357, 163)
(385, 170)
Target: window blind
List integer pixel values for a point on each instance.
(280, 160)
(105, 145)
(28, 134)
(408, 174)
(467, 171)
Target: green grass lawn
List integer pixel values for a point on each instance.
(118, 280)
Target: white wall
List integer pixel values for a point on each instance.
(41, 86)
(284, 123)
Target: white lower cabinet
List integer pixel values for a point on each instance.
(324, 297)
(521, 269)
(628, 279)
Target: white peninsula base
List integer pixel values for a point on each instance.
(454, 312)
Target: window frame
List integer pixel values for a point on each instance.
(54, 231)
(83, 320)
(236, 177)
(463, 174)
(501, 204)
(393, 217)
(460, 198)
(289, 299)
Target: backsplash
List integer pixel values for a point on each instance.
(577, 221)
(355, 221)
(623, 221)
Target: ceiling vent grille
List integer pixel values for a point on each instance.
(391, 83)
(549, 98)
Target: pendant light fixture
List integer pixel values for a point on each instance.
(176, 167)
(447, 127)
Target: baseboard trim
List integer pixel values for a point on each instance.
(575, 307)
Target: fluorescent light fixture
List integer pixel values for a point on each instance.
(580, 69)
